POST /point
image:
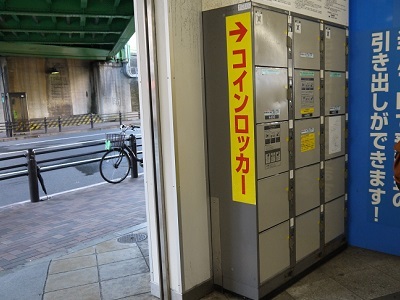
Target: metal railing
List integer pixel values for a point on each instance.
(57, 124)
(33, 162)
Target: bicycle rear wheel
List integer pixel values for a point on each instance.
(115, 165)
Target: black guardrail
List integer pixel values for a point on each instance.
(38, 161)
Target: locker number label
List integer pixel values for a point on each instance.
(297, 26)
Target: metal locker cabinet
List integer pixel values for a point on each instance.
(306, 40)
(270, 38)
(335, 93)
(334, 219)
(274, 251)
(272, 148)
(306, 94)
(307, 233)
(271, 94)
(334, 178)
(273, 201)
(335, 48)
(335, 133)
(307, 191)
(307, 142)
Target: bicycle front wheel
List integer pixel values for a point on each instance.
(115, 165)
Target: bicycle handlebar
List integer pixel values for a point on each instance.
(124, 127)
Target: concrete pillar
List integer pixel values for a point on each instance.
(182, 137)
(112, 88)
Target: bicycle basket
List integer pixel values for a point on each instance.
(114, 140)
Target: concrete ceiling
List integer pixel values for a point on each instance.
(82, 29)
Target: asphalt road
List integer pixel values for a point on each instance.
(17, 189)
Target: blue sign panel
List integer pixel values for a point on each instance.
(374, 124)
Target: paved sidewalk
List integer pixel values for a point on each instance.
(108, 270)
(30, 231)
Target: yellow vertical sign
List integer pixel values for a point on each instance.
(241, 107)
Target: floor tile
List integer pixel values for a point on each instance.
(215, 296)
(73, 263)
(313, 276)
(71, 279)
(369, 284)
(124, 268)
(119, 255)
(146, 296)
(344, 263)
(374, 258)
(392, 270)
(127, 286)
(283, 296)
(83, 252)
(84, 292)
(111, 245)
(326, 289)
(395, 296)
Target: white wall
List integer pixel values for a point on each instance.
(188, 108)
(180, 85)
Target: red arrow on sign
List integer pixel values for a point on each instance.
(241, 31)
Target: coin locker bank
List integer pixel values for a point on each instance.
(276, 107)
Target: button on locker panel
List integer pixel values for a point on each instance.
(273, 201)
(335, 93)
(307, 192)
(271, 94)
(334, 178)
(272, 148)
(306, 94)
(307, 142)
(274, 251)
(270, 38)
(306, 40)
(335, 133)
(334, 219)
(335, 48)
(307, 233)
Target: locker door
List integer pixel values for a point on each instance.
(335, 93)
(306, 94)
(307, 191)
(335, 48)
(307, 142)
(307, 233)
(270, 38)
(334, 178)
(273, 201)
(335, 133)
(271, 94)
(334, 219)
(272, 148)
(306, 44)
(274, 251)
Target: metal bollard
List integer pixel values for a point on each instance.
(9, 128)
(45, 125)
(59, 124)
(132, 144)
(91, 121)
(120, 118)
(32, 176)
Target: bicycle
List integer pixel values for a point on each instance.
(117, 161)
